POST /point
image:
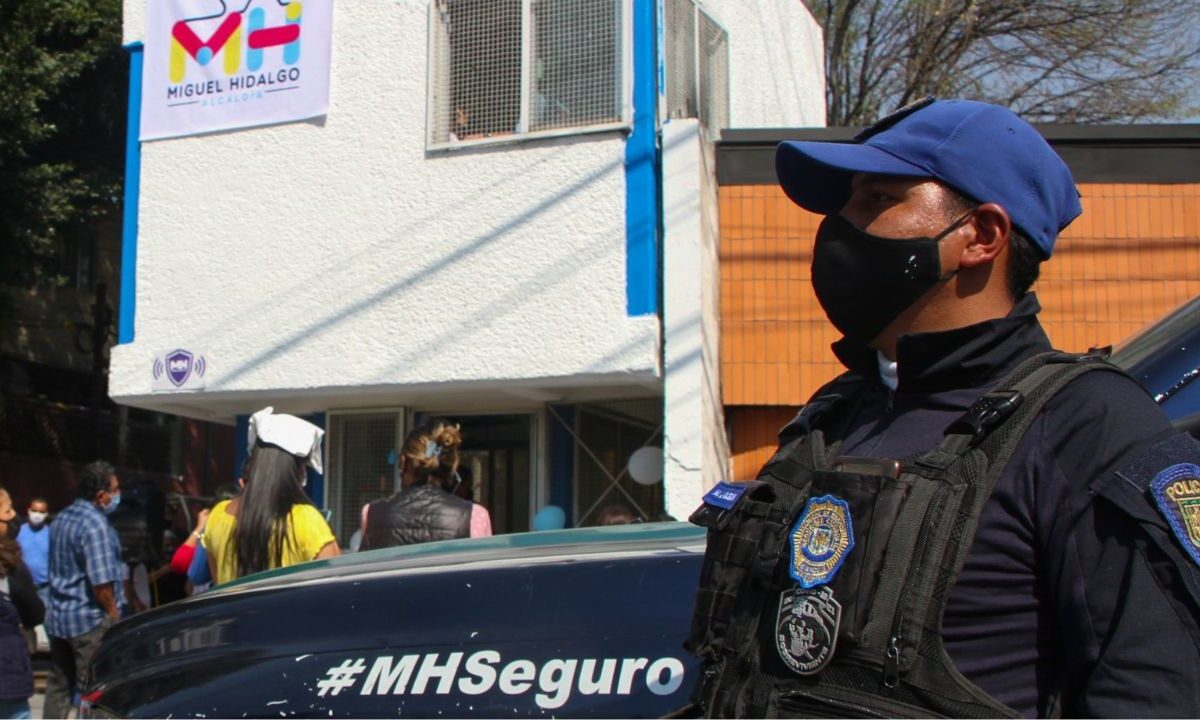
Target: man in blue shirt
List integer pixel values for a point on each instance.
(85, 583)
(34, 539)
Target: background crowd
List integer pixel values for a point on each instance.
(64, 580)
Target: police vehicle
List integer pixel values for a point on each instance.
(574, 623)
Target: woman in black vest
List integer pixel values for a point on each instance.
(426, 509)
(19, 606)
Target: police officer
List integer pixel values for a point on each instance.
(964, 523)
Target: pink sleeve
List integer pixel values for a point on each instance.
(481, 522)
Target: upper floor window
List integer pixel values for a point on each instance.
(506, 69)
(696, 50)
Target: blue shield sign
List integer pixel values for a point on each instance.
(179, 367)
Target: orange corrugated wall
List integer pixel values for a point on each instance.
(1131, 257)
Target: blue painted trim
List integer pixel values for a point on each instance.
(562, 462)
(133, 179)
(316, 481)
(241, 449)
(642, 168)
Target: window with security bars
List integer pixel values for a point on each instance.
(359, 468)
(696, 50)
(504, 69)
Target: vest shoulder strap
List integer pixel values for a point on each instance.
(999, 419)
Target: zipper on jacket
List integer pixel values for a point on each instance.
(891, 661)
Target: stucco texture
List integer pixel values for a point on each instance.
(339, 252)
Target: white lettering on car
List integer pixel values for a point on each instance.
(513, 678)
(552, 681)
(479, 665)
(386, 678)
(444, 673)
(589, 684)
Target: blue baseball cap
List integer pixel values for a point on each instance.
(983, 151)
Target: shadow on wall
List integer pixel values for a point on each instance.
(413, 278)
(425, 273)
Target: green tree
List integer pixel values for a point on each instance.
(63, 85)
(1069, 61)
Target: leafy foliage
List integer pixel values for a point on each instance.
(63, 84)
(1067, 61)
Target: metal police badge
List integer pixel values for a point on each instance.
(820, 541)
(807, 629)
(1177, 493)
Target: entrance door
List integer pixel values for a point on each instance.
(497, 469)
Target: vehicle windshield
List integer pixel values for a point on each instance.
(1154, 339)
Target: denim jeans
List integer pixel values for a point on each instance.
(15, 709)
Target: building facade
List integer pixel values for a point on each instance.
(507, 217)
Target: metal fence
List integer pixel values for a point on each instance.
(359, 468)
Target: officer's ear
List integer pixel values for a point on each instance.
(991, 225)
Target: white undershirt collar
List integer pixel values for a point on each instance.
(887, 371)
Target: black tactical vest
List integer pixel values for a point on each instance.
(823, 586)
(419, 514)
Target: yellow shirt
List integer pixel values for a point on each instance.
(307, 534)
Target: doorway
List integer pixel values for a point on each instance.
(497, 465)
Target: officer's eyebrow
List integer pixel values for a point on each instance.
(896, 185)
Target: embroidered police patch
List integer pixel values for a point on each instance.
(820, 541)
(807, 628)
(1177, 493)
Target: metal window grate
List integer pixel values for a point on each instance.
(500, 69)
(714, 74)
(480, 84)
(358, 467)
(679, 39)
(697, 65)
(576, 63)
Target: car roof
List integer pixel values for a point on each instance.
(639, 538)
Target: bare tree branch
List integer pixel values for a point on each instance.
(1053, 60)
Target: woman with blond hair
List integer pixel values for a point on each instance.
(426, 508)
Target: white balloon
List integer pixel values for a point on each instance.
(646, 465)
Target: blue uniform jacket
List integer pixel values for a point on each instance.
(1068, 602)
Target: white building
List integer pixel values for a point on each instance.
(507, 217)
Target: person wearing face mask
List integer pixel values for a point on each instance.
(965, 523)
(272, 523)
(86, 574)
(34, 539)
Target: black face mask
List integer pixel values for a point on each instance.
(864, 281)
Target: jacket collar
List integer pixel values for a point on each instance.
(969, 356)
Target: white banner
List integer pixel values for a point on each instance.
(221, 64)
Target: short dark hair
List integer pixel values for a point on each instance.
(93, 479)
(38, 499)
(1024, 258)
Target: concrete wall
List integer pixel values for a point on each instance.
(776, 63)
(694, 447)
(338, 258)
